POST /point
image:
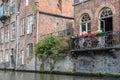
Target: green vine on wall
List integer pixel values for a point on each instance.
(55, 47)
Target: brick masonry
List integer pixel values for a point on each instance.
(93, 8)
(57, 14)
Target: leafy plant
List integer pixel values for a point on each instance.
(55, 47)
(45, 46)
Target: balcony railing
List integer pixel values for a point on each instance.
(62, 33)
(5, 0)
(4, 13)
(107, 40)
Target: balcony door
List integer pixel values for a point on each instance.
(106, 21)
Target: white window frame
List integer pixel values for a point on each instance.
(13, 35)
(7, 58)
(82, 1)
(100, 19)
(26, 2)
(85, 19)
(23, 26)
(30, 48)
(22, 57)
(1, 37)
(30, 19)
(13, 7)
(2, 33)
(86, 26)
(7, 35)
(1, 56)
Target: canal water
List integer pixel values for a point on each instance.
(37, 76)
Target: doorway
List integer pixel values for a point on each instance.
(106, 24)
(106, 20)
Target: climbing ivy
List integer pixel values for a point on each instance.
(44, 46)
(56, 47)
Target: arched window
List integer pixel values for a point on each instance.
(106, 12)
(105, 19)
(85, 23)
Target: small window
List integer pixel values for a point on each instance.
(85, 23)
(7, 35)
(13, 35)
(59, 5)
(30, 24)
(27, 2)
(7, 9)
(30, 49)
(22, 57)
(13, 1)
(82, 1)
(23, 26)
(1, 56)
(13, 7)
(7, 55)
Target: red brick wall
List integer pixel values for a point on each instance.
(53, 6)
(93, 7)
(49, 24)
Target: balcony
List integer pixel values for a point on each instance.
(103, 41)
(4, 13)
(4, 0)
(62, 33)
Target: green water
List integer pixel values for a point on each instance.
(37, 76)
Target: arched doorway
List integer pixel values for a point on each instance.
(105, 20)
(85, 25)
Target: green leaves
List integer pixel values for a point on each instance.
(45, 46)
(56, 47)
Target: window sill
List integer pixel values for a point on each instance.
(12, 13)
(29, 33)
(6, 42)
(80, 2)
(12, 40)
(1, 43)
(22, 35)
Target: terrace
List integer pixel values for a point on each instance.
(103, 41)
(4, 13)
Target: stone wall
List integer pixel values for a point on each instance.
(86, 62)
(98, 62)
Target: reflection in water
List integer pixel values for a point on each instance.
(37, 76)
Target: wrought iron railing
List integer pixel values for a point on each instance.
(61, 33)
(4, 12)
(107, 40)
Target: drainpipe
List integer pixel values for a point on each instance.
(37, 24)
(17, 30)
(37, 15)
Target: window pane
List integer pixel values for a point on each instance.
(30, 49)
(88, 27)
(7, 55)
(13, 36)
(30, 24)
(83, 27)
(23, 26)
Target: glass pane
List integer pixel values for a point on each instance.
(83, 27)
(89, 27)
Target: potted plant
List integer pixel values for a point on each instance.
(98, 33)
(84, 34)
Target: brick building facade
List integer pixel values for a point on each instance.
(96, 15)
(28, 20)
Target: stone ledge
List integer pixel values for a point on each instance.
(99, 75)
